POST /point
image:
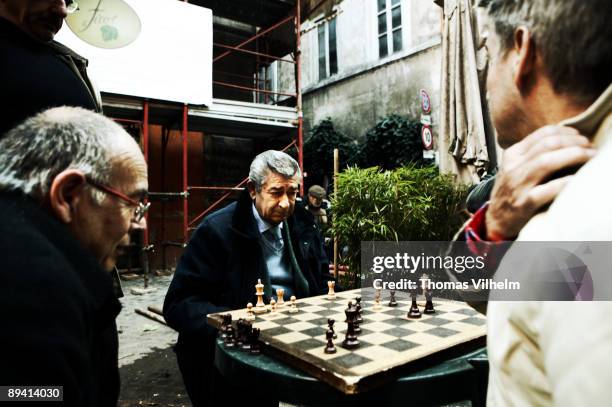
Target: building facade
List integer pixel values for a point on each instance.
(366, 59)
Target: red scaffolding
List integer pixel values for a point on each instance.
(255, 87)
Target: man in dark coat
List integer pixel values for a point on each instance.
(62, 226)
(38, 73)
(262, 236)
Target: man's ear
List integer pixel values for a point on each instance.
(65, 194)
(251, 188)
(525, 51)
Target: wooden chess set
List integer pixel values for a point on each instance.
(353, 340)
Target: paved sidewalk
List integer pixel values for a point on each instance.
(139, 336)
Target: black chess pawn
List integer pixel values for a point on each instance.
(429, 308)
(392, 300)
(358, 307)
(350, 341)
(254, 341)
(330, 324)
(414, 312)
(330, 348)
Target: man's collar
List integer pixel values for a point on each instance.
(262, 225)
(589, 121)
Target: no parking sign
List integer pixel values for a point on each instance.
(427, 137)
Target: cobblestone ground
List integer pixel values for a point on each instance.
(138, 336)
(149, 373)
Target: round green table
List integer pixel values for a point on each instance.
(444, 382)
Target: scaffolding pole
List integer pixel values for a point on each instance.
(298, 91)
(185, 155)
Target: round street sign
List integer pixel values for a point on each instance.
(425, 101)
(427, 137)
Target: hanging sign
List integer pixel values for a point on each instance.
(154, 49)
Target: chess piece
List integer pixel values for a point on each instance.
(294, 307)
(245, 333)
(429, 308)
(330, 348)
(260, 307)
(350, 341)
(225, 325)
(377, 306)
(230, 341)
(356, 323)
(392, 300)
(273, 312)
(330, 324)
(239, 333)
(280, 297)
(331, 294)
(359, 319)
(414, 312)
(254, 341)
(250, 316)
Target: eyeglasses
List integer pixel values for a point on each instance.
(71, 6)
(141, 207)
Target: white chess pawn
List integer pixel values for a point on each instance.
(250, 316)
(273, 310)
(331, 294)
(377, 306)
(294, 307)
(280, 294)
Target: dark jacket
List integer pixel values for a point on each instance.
(36, 76)
(223, 260)
(57, 309)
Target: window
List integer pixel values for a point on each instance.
(328, 51)
(389, 27)
(267, 80)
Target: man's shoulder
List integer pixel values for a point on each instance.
(221, 218)
(581, 211)
(25, 242)
(61, 49)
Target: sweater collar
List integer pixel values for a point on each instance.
(593, 118)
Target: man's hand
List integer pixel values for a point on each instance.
(528, 179)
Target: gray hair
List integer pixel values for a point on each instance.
(572, 36)
(36, 151)
(272, 160)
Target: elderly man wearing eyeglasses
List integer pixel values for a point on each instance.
(72, 187)
(37, 72)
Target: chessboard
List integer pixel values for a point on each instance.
(389, 340)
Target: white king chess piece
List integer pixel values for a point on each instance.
(260, 307)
